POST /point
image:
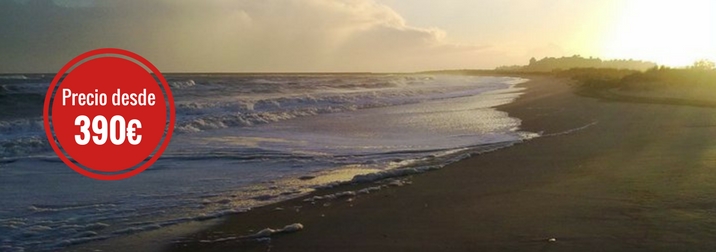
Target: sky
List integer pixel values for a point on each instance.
(353, 35)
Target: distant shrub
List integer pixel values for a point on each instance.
(657, 77)
(551, 64)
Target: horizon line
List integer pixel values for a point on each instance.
(278, 72)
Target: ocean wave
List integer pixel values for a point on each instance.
(248, 119)
(182, 84)
(35, 125)
(201, 115)
(60, 208)
(24, 146)
(14, 77)
(22, 137)
(25, 88)
(218, 103)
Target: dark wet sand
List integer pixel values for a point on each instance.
(641, 179)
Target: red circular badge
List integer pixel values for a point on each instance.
(109, 114)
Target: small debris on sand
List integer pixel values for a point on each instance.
(295, 227)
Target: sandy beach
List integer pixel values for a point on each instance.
(606, 176)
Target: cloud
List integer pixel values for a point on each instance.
(231, 35)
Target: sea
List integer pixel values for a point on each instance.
(242, 141)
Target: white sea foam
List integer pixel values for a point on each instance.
(286, 229)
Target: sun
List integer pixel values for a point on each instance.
(672, 33)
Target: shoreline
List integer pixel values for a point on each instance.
(161, 239)
(166, 238)
(619, 183)
(172, 233)
(297, 209)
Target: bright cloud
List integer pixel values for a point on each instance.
(231, 36)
